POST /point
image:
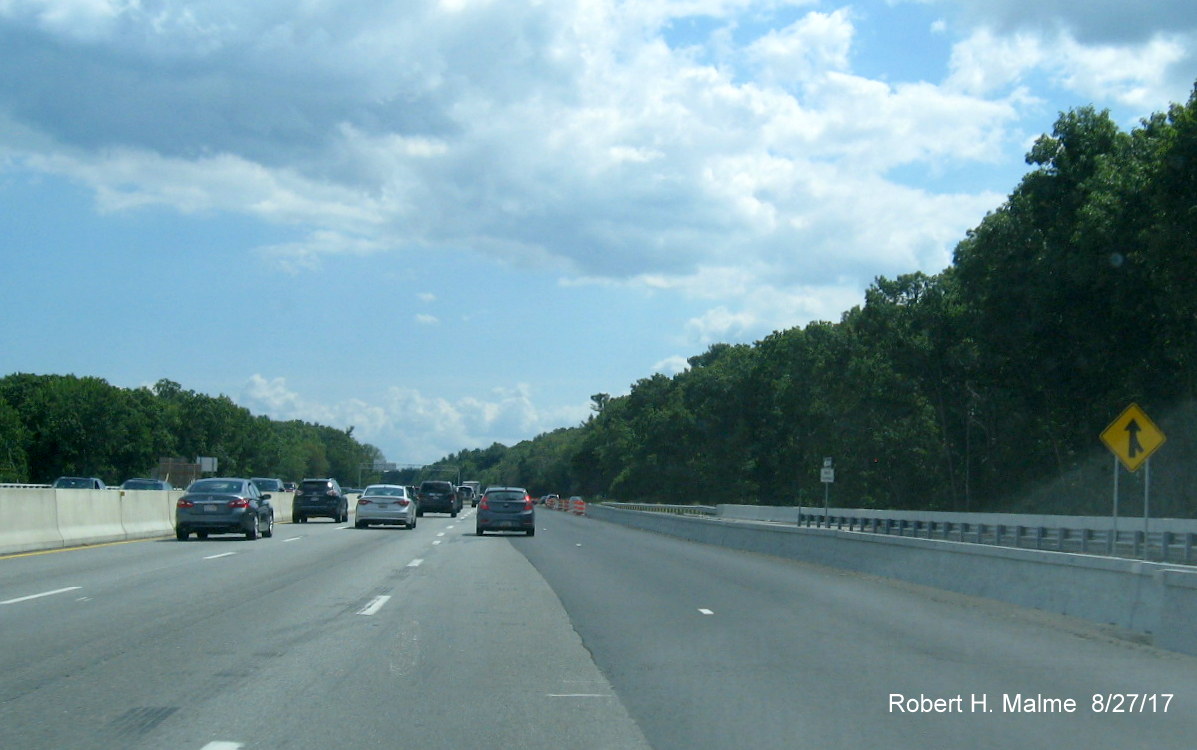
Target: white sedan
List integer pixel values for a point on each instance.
(386, 503)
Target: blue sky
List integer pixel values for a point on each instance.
(449, 223)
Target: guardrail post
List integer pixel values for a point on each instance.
(1188, 549)
(998, 532)
(1165, 545)
(1140, 543)
(1039, 537)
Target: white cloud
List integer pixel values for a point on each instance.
(411, 427)
(671, 365)
(565, 135)
(426, 319)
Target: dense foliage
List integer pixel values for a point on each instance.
(54, 425)
(984, 387)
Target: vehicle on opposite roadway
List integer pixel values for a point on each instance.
(79, 483)
(321, 498)
(386, 503)
(223, 505)
(268, 484)
(140, 483)
(438, 496)
(506, 509)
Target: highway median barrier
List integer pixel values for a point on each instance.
(89, 516)
(28, 521)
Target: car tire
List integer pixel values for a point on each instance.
(478, 531)
(269, 530)
(530, 532)
(251, 534)
(201, 535)
(452, 514)
(182, 534)
(359, 525)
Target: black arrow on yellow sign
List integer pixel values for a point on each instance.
(1134, 447)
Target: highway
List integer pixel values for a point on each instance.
(588, 635)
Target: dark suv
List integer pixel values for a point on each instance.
(319, 498)
(436, 496)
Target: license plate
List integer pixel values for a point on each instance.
(211, 508)
(506, 524)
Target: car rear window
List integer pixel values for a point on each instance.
(505, 495)
(384, 491)
(218, 486)
(316, 486)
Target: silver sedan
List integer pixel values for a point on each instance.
(386, 503)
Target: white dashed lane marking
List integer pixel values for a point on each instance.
(375, 604)
(39, 596)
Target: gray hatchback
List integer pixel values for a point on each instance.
(506, 509)
(224, 505)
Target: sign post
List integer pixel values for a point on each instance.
(827, 477)
(1132, 438)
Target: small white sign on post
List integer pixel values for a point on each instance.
(827, 476)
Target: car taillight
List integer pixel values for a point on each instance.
(184, 503)
(527, 502)
(362, 501)
(239, 502)
(485, 504)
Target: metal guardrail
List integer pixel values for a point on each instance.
(1158, 546)
(677, 510)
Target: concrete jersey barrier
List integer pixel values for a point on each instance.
(28, 521)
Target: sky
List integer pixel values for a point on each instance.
(448, 223)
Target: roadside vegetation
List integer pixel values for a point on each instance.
(52, 425)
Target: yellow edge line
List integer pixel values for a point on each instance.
(78, 547)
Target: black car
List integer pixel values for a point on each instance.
(437, 496)
(139, 483)
(223, 505)
(319, 498)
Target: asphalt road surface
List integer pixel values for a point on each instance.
(588, 635)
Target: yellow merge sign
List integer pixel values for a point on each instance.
(1133, 437)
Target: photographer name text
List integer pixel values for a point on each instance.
(1022, 703)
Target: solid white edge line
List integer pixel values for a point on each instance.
(375, 604)
(293, 539)
(222, 746)
(222, 554)
(39, 596)
(416, 563)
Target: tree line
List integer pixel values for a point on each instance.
(981, 388)
(55, 425)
